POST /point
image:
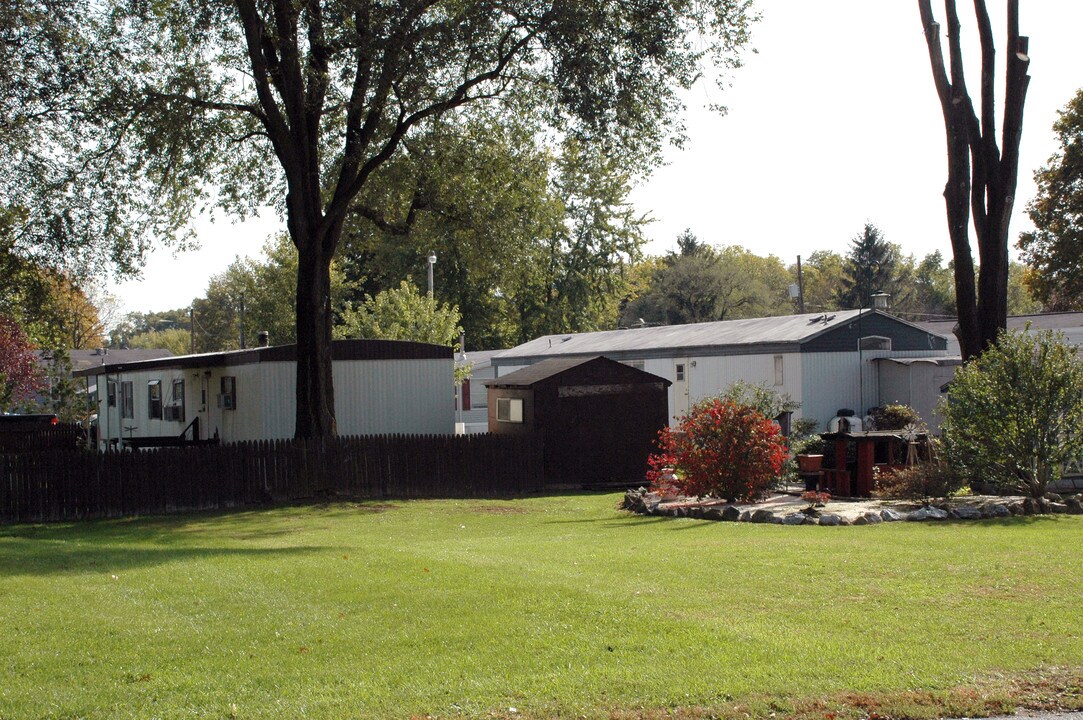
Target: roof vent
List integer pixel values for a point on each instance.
(566, 338)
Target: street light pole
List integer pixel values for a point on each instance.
(432, 261)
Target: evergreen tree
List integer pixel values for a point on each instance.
(871, 267)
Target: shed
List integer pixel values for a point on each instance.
(598, 418)
(821, 360)
(381, 387)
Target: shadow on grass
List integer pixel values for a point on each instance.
(117, 545)
(61, 558)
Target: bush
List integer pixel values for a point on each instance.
(923, 481)
(894, 417)
(1014, 414)
(721, 448)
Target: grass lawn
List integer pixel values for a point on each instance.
(557, 607)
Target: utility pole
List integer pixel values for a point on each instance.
(242, 321)
(800, 288)
(192, 329)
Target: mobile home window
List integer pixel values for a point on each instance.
(175, 411)
(778, 370)
(874, 342)
(227, 398)
(178, 392)
(509, 410)
(154, 399)
(127, 399)
(111, 393)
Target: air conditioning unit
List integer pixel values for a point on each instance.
(226, 402)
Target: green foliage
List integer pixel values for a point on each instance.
(1054, 249)
(894, 416)
(401, 314)
(176, 340)
(822, 273)
(769, 402)
(702, 283)
(1014, 414)
(267, 286)
(479, 190)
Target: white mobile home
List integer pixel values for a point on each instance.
(381, 386)
(821, 360)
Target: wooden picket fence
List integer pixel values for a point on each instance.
(65, 436)
(83, 484)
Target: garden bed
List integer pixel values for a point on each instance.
(790, 509)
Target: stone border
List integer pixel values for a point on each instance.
(645, 502)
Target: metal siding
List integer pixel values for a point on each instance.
(831, 382)
(904, 337)
(400, 396)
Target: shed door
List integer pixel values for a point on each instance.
(681, 369)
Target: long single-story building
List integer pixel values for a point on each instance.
(381, 386)
(822, 360)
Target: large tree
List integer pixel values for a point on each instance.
(981, 173)
(1054, 249)
(305, 101)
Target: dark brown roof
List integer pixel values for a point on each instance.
(550, 368)
(340, 350)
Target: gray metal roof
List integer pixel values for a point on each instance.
(777, 332)
(1038, 321)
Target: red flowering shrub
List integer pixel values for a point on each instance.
(20, 376)
(720, 448)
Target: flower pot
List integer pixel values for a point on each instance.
(810, 463)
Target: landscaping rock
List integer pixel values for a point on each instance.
(1054, 497)
(746, 515)
(1074, 505)
(889, 515)
(797, 518)
(713, 513)
(830, 519)
(1016, 508)
(763, 516)
(845, 521)
(936, 513)
(919, 515)
(809, 520)
(1059, 508)
(650, 507)
(696, 512)
(731, 514)
(999, 510)
(966, 512)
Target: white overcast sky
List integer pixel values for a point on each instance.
(833, 123)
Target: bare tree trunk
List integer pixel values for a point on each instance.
(981, 178)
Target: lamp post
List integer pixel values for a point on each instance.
(432, 261)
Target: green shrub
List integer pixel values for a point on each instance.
(1014, 414)
(924, 481)
(895, 417)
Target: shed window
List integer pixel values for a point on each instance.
(679, 370)
(127, 399)
(111, 393)
(779, 380)
(874, 342)
(509, 410)
(154, 399)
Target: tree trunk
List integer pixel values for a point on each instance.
(981, 177)
(315, 381)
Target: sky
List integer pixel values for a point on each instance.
(832, 123)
